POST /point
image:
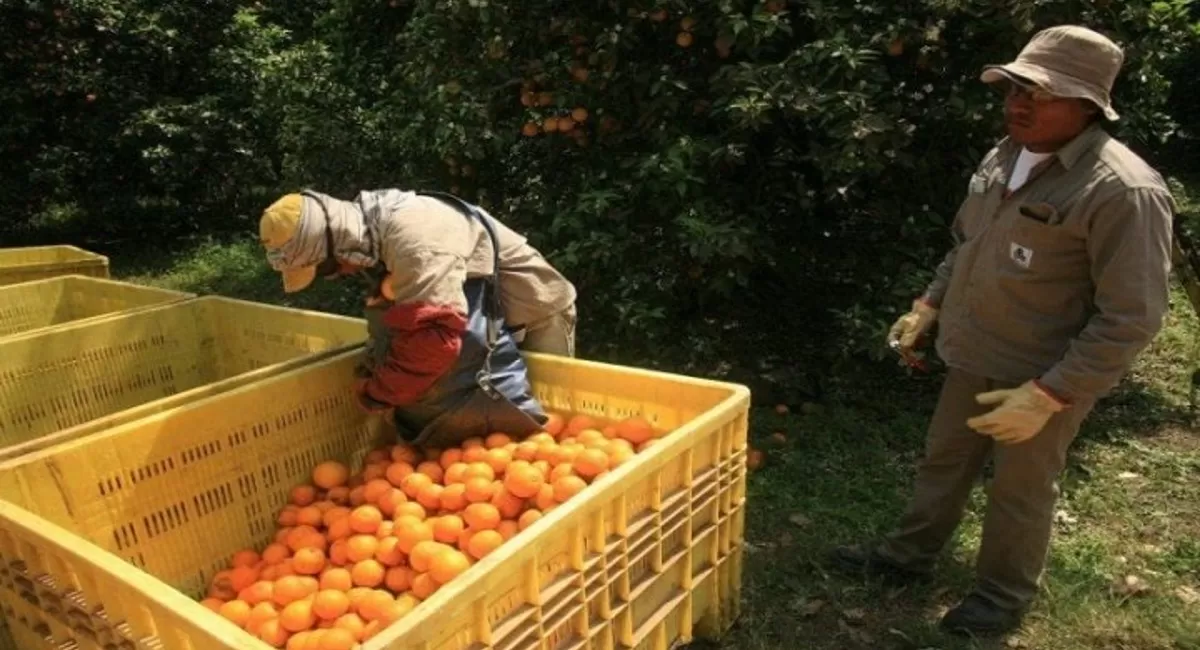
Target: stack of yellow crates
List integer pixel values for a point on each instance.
(142, 444)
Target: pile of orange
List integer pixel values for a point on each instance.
(355, 553)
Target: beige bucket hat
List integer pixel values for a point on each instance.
(1066, 61)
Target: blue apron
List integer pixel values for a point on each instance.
(487, 389)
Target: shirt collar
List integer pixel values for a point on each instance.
(1090, 139)
(1068, 154)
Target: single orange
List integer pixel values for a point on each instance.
(480, 469)
(337, 638)
(528, 518)
(497, 440)
(298, 616)
(373, 605)
(389, 553)
(339, 495)
(336, 579)
(447, 564)
(391, 500)
(591, 462)
(330, 604)
(409, 534)
(479, 489)
(508, 529)
(508, 504)
(498, 459)
(454, 498)
(405, 453)
(414, 483)
(273, 633)
(309, 561)
(636, 430)
(410, 509)
(433, 470)
(365, 519)
(483, 543)
(431, 497)
(567, 487)
(399, 579)
(424, 586)
(481, 516)
(330, 474)
(368, 573)
(555, 423)
(523, 480)
(397, 472)
(448, 528)
(361, 547)
(236, 611)
(246, 558)
(455, 473)
(276, 553)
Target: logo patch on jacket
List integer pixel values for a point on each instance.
(1020, 254)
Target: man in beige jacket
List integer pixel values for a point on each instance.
(1057, 280)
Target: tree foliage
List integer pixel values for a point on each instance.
(767, 177)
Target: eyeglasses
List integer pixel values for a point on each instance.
(1032, 93)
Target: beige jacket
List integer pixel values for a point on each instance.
(1065, 280)
(430, 249)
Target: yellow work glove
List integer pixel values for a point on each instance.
(911, 326)
(1022, 413)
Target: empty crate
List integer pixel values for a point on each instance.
(31, 307)
(39, 262)
(79, 378)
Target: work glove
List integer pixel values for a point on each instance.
(911, 326)
(1021, 414)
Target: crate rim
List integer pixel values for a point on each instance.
(90, 257)
(189, 300)
(140, 581)
(170, 297)
(449, 600)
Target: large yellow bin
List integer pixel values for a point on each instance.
(39, 262)
(76, 379)
(109, 539)
(33, 307)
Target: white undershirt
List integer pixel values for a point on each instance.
(1026, 161)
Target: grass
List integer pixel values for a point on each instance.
(1130, 502)
(1130, 505)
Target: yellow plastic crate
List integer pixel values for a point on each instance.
(33, 307)
(76, 379)
(40, 262)
(112, 537)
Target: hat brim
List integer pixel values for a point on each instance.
(298, 279)
(1057, 85)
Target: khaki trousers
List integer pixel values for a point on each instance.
(1020, 498)
(554, 334)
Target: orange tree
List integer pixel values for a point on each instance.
(769, 180)
(717, 176)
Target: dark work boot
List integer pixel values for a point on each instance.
(978, 616)
(856, 559)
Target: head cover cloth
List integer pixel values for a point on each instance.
(294, 232)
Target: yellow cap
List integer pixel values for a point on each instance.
(280, 222)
